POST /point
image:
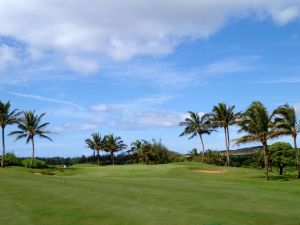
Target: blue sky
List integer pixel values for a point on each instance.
(136, 74)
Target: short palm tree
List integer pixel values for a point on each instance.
(29, 126)
(193, 154)
(96, 144)
(136, 146)
(285, 120)
(223, 116)
(257, 123)
(113, 144)
(7, 117)
(197, 125)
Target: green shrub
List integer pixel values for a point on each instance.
(10, 159)
(39, 164)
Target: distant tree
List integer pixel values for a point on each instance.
(112, 144)
(223, 116)
(96, 143)
(29, 126)
(197, 125)
(281, 155)
(7, 117)
(286, 122)
(257, 123)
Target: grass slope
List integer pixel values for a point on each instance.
(138, 194)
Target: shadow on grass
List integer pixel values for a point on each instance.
(283, 178)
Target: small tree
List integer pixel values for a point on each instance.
(281, 154)
(29, 126)
(197, 125)
(96, 143)
(112, 144)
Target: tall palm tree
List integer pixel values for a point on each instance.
(258, 124)
(29, 126)
(285, 120)
(7, 117)
(197, 125)
(224, 117)
(113, 144)
(95, 143)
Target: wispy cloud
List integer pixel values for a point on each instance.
(286, 80)
(41, 98)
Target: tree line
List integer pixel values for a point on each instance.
(255, 122)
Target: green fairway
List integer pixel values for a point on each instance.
(139, 194)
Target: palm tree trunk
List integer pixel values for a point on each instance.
(297, 156)
(228, 146)
(112, 158)
(266, 160)
(94, 154)
(98, 156)
(32, 158)
(226, 143)
(3, 148)
(203, 149)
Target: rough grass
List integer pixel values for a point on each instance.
(139, 194)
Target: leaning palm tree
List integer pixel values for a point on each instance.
(7, 117)
(224, 117)
(29, 126)
(113, 144)
(96, 144)
(197, 125)
(257, 123)
(285, 120)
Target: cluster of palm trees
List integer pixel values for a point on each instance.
(255, 122)
(29, 126)
(108, 143)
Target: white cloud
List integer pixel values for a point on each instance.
(7, 56)
(286, 15)
(41, 98)
(82, 65)
(80, 31)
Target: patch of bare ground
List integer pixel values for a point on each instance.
(209, 171)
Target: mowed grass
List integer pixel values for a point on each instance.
(140, 194)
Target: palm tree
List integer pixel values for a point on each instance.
(193, 154)
(29, 126)
(197, 125)
(224, 117)
(257, 122)
(285, 120)
(136, 146)
(7, 117)
(113, 144)
(95, 143)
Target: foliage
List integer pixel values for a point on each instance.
(152, 152)
(29, 126)
(257, 123)
(286, 123)
(197, 125)
(10, 159)
(38, 164)
(281, 155)
(223, 116)
(7, 117)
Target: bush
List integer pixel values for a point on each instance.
(10, 159)
(39, 164)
